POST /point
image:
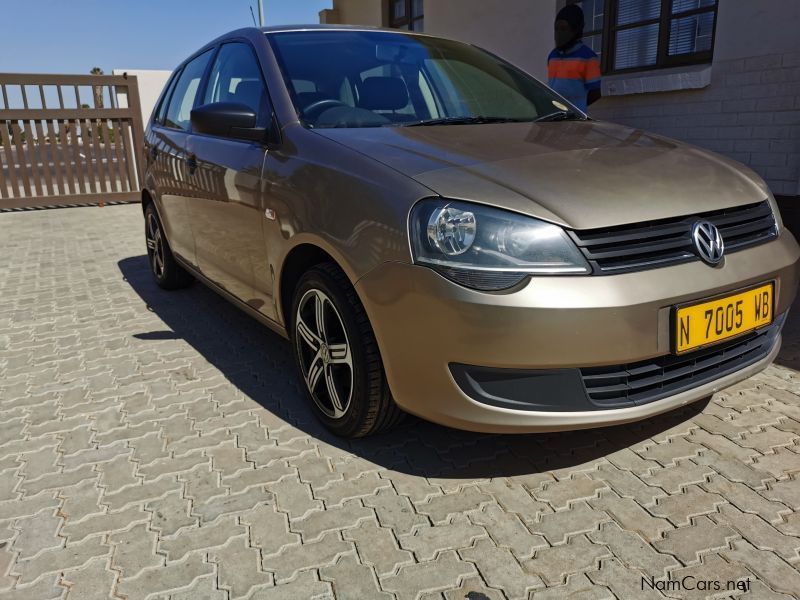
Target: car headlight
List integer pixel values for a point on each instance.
(488, 248)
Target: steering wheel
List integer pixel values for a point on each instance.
(315, 109)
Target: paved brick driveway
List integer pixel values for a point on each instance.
(155, 445)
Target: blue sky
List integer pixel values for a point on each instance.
(72, 36)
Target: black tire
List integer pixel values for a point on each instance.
(165, 269)
(370, 407)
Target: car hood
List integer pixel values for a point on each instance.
(579, 174)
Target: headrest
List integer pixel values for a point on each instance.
(383, 93)
(249, 93)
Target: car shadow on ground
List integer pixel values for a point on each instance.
(259, 364)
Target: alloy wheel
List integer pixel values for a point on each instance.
(324, 351)
(155, 245)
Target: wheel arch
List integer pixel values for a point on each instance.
(298, 260)
(147, 199)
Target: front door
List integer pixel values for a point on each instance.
(226, 187)
(168, 153)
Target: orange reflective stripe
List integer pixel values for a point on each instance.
(592, 69)
(568, 68)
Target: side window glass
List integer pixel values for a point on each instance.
(162, 108)
(182, 101)
(236, 77)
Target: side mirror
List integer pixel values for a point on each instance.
(227, 119)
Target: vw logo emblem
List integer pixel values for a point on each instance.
(708, 242)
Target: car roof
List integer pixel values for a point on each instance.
(251, 31)
(317, 27)
(306, 27)
(312, 27)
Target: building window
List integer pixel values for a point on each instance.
(594, 11)
(406, 14)
(634, 35)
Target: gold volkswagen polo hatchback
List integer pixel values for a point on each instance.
(438, 233)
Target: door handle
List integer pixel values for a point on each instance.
(191, 163)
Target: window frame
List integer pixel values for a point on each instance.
(156, 118)
(269, 109)
(201, 86)
(214, 49)
(664, 21)
(603, 32)
(408, 20)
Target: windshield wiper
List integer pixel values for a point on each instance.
(562, 115)
(476, 120)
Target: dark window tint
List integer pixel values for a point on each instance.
(637, 47)
(182, 101)
(407, 14)
(633, 11)
(691, 34)
(236, 77)
(162, 108)
(595, 13)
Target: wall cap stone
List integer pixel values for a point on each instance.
(663, 80)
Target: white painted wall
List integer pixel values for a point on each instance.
(151, 82)
(521, 31)
(356, 12)
(747, 28)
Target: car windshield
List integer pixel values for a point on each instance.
(378, 79)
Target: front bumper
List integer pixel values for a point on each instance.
(424, 324)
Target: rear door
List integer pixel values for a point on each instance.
(168, 151)
(226, 201)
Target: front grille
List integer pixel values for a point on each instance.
(650, 380)
(668, 242)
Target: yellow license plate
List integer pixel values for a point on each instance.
(723, 318)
